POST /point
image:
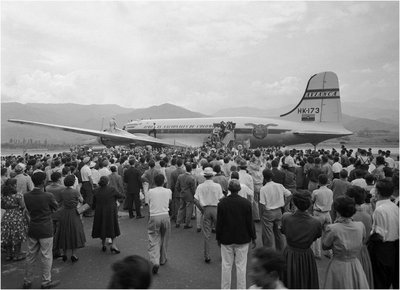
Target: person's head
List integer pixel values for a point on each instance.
(380, 160)
(343, 174)
(208, 172)
(131, 161)
(113, 168)
(188, 167)
(217, 168)
(10, 187)
(38, 178)
(302, 199)
(267, 174)
(235, 175)
(159, 179)
(274, 163)
(152, 163)
(345, 206)
(55, 176)
(69, 180)
(384, 188)
(133, 272)
(369, 179)
(266, 267)
(357, 193)
(234, 186)
(179, 162)
(322, 179)
(103, 181)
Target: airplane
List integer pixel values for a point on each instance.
(316, 118)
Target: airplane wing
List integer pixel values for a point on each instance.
(118, 137)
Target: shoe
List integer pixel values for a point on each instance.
(50, 285)
(74, 258)
(177, 225)
(64, 258)
(187, 227)
(131, 216)
(198, 230)
(114, 250)
(155, 269)
(213, 231)
(27, 285)
(139, 217)
(163, 263)
(257, 221)
(318, 257)
(104, 248)
(207, 260)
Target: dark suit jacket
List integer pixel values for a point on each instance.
(133, 180)
(40, 206)
(279, 176)
(174, 179)
(186, 186)
(235, 221)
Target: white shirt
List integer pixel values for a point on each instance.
(272, 195)
(336, 167)
(95, 176)
(209, 193)
(360, 182)
(159, 198)
(104, 171)
(390, 162)
(85, 173)
(246, 178)
(323, 198)
(244, 192)
(386, 220)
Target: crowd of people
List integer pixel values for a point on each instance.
(342, 204)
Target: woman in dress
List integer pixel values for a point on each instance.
(301, 230)
(345, 237)
(14, 225)
(105, 222)
(70, 234)
(358, 194)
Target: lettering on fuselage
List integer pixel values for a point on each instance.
(206, 126)
(312, 110)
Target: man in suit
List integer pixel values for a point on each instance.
(40, 206)
(235, 229)
(185, 188)
(133, 180)
(175, 195)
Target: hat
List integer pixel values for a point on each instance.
(92, 164)
(243, 163)
(18, 168)
(234, 185)
(208, 171)
(86, 159)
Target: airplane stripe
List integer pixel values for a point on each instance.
(321, 98)
(201, 131)
(323, 90)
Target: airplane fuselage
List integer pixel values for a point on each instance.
(256, 132)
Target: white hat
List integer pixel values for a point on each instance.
(208, 171)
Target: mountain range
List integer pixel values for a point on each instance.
(369, 117)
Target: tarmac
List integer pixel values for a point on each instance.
(185, 268)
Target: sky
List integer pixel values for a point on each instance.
(203, 56)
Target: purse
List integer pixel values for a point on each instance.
(84, 207)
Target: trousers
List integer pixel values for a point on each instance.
(44, 249)
(238, 254)
(209, 216)
(158, 230)
(185, 212)
(271, 233)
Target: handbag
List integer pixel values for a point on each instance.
(84, 207)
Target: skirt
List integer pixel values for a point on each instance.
(301, 270)
(366, 264)
(14, 227)
(345, 274)
(69, 232)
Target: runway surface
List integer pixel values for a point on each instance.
(185, 267)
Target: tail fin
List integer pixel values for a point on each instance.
(320, 102)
